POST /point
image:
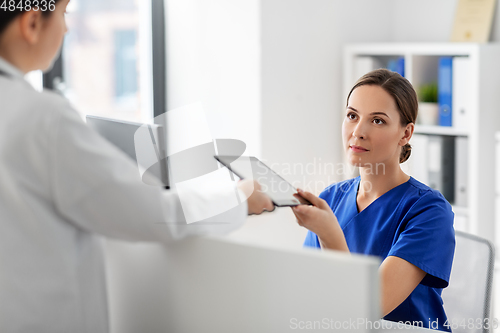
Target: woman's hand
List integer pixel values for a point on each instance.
(320, 219)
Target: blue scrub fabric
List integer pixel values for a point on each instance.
(411, 221)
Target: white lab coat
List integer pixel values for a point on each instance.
(61, 187)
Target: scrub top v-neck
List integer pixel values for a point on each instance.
(410, 221)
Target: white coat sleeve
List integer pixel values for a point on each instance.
(97, 188)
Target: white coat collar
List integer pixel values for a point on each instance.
(10, 70)
(13, 72)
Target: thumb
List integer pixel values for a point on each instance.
(316, 201)
(256, 185)
(299, 220)
(269, 205)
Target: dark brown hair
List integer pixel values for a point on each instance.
(403, 93)
(7, 15)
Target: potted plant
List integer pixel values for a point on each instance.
(428, 109)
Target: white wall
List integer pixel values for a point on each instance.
(429, 21)
(213, 57)
(302, 81)
(422, 21)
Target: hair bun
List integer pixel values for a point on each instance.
(405, 153)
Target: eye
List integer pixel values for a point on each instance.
(378, 121)
(351, 115)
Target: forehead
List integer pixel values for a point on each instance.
(371, 98)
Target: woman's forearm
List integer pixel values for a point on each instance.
(334, 239)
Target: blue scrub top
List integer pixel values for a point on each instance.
(411, 221)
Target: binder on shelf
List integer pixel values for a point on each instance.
(497, 168)
(418, 158)
(461, 171)
(445, 78)
(441, 165)
(497, 218)
(397, 65)
(497, 187)
(460, 92)
(363, 65)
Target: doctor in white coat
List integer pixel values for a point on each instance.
(62, 186)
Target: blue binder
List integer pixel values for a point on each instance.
(397, 65)
(445, 90)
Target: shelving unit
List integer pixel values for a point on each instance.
(420, 67)
(497, 188)
(440, 130)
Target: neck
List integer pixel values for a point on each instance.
(13, 62)
(15, 51)
(377, 180)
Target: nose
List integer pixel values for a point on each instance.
(359, 131)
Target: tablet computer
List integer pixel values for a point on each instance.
(278, 189)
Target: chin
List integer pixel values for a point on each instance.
(47, 68)
(48, 64)
(357, 161)
(362, 162)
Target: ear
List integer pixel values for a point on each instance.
(408, 132)
(31, 24)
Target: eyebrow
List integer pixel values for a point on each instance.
(371, 114)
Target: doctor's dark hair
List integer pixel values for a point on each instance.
(7, 15)
(403, 93)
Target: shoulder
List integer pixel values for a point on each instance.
(29, 103)
(25, 94)
(57, 103)
(426, 196)
(423, 205)
(38, 112)
(425, 235)
(54, 111)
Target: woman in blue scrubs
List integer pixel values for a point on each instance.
(384, 212)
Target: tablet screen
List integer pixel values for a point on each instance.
(248, 167)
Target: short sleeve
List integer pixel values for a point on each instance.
(427, 239)
(311, 240)
(330, 195)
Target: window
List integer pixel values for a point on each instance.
(126, 87)
(106, 65)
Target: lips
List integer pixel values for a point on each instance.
(358, 149)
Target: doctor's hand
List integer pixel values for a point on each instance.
(319, 218)
(257, 200)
